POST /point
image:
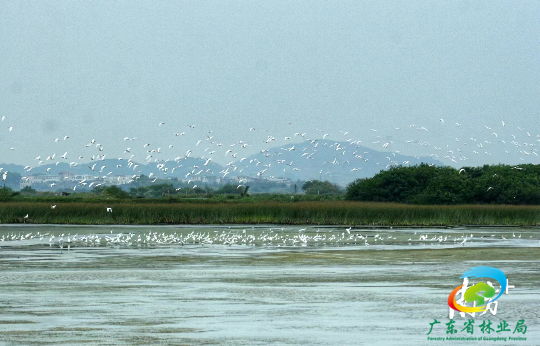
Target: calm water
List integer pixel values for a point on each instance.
(261, 285)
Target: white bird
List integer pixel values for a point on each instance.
(109, 210)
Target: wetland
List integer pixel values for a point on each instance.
(251, 285)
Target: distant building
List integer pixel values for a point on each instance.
(67, 179)
(117, 179)
(39, 179)
(211, 179)
(241, 178)
(66, 176)
(286, 181)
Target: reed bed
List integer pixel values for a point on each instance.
(308, 212)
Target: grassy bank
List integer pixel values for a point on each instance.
(303, 212)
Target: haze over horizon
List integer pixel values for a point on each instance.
(456, 80)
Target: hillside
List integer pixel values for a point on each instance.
(338, 162)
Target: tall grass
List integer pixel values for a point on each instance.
(304, 212)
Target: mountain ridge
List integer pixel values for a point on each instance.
(335, 161)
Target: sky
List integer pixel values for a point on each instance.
(456, 79)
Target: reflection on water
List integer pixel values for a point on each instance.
(249, 285)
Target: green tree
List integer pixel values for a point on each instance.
(98, 190)
(6, 193)
(423, 184)
(398, 184)
(317, 187)
(115, 192)
(446, 187)
(230, 189)
(28, 191)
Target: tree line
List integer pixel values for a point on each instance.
(427, 184)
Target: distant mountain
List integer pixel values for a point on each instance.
(123, 167)
(10, 167)
(338, 162)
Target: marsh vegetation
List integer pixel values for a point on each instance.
(251, 211)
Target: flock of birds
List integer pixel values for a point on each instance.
(512, 139)
(518, 140)
(279, 237)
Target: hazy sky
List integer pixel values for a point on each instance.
(106, 70)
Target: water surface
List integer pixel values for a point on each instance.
(252, 285)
